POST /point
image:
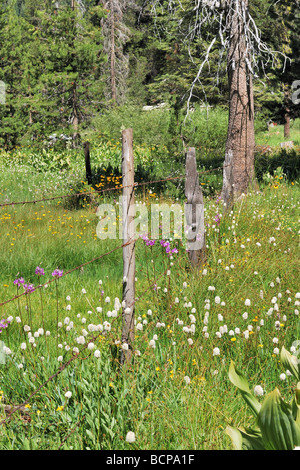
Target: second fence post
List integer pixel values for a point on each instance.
(194, 212)
(129, 250)
(88, 169)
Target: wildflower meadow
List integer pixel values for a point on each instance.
(62, 385)
(149, 228)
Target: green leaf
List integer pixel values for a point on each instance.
(91, 435)
(239, 380)
(296, 405)
(278, 428)
(235, 436)
(108, 431)
(252, 439)
(245, 439)
(290, 362)
(26, 444)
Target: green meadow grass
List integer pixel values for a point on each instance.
(275, 136)
(176, 395)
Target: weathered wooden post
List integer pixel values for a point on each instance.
(88, 169)
(128, 227)
(194, 212)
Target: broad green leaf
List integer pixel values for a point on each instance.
(290, 362)
(239, 380)
(278, 427)
(235, 437)
(252, 439)
(245, 439)
(296, 405)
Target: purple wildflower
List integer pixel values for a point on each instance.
(19, 282)
(167, 246)
(29, 288)
(39, 271)
(148, 241)
(4, 324)
(217, 219)
(57, 273)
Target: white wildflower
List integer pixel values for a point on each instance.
(130, 437)
(258, 390)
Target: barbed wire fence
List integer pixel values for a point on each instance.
(64, 274)
(102, 191)
(130, 301)
(14, 409)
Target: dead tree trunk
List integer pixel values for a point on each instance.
(287, 124)
(88, 169)
(287, 116)
(129, 250)
(113, 60)
(75, 116)
(194, 212)
(75, 119)
(238, 172)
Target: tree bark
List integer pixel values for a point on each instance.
(75, 115)
(88, 169)
(75, 120)
(287, 117)
(287, 120)
(113, 58)
(238, 171)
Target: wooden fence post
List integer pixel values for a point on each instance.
(194, 212)
(88, 169)
(129, 250)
